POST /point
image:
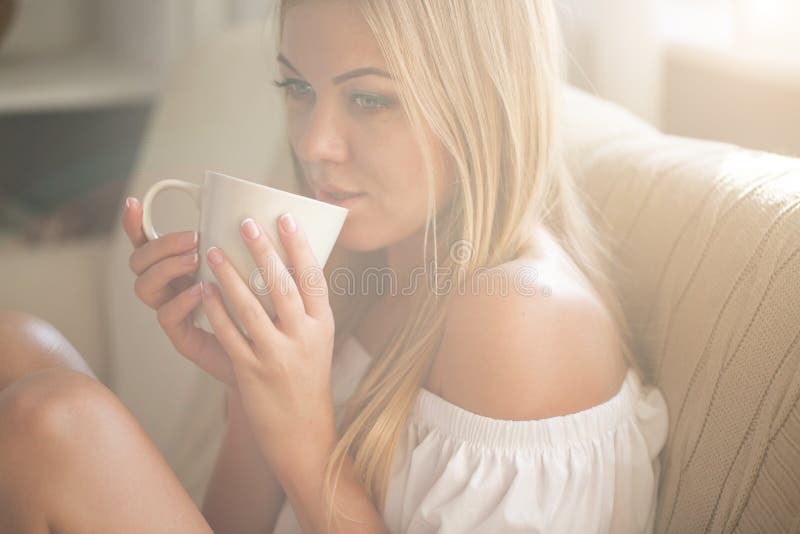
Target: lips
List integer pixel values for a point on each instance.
(332, 191)
(345, 200)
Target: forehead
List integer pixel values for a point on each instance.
(326, 37)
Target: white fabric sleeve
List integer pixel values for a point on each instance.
(592, 471)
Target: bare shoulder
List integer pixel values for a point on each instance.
(534, 351)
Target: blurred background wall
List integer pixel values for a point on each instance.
(78, 79)
(727, 70)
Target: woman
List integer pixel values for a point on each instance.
(491, 388)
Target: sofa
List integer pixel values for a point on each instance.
(706, 234)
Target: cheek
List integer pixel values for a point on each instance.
(398, 201)
(398, 175)
(293, 131)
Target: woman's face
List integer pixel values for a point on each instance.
(347, 128)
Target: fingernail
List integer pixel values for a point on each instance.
(250, 228)
(189, 259)
(214, 255)
(188, 239)
(196, 289)
(131, 202)
(287, 221)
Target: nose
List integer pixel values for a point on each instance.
(322, 136)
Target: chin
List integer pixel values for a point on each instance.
(359, 238)
(355, 241)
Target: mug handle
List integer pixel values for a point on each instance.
(193, 190)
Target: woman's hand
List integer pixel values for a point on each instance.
(283, 371)
(164, 282)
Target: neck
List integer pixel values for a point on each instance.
(405, 256)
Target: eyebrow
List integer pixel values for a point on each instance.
(355, 73)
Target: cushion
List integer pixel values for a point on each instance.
(708, 241)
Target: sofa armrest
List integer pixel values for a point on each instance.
(706, 238)
(60, 282)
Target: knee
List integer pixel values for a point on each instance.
(21, 330)
(29, 343)
(53, 406)
(12, 320)
(14, 316)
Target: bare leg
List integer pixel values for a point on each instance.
(28, 344)
(72, 457)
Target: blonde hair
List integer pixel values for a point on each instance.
(487, 83)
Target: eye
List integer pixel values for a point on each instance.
(293, 87)
(370, 102)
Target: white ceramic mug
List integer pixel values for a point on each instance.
(223, 202)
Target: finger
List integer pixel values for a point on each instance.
(277, 281)
(234, 343)
(152, 286)
(182, 282)
(308, 273)
(132, 221)
(244, 303)
(171, 244)
(194, 343)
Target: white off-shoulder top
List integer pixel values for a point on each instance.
(455, 471)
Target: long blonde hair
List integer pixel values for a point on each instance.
(487, 83)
